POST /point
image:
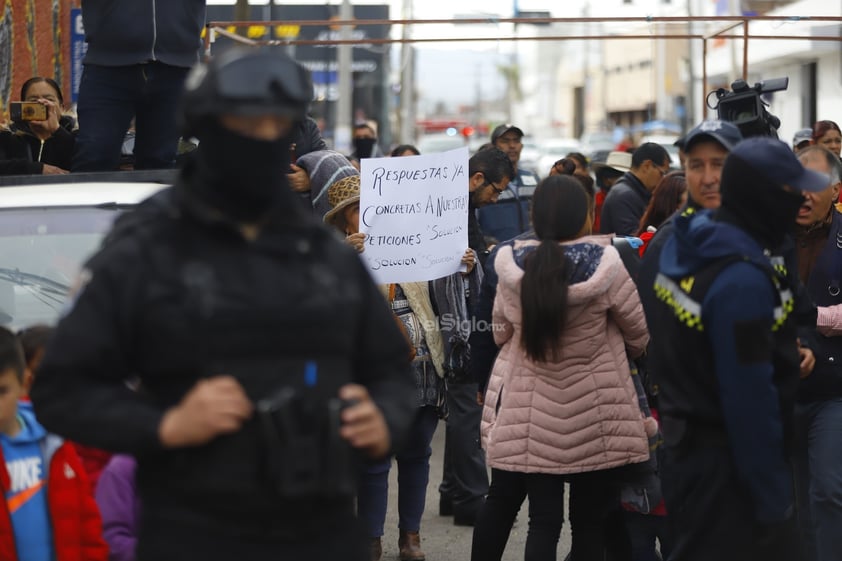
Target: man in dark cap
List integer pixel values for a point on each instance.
(705, 147)
(267, 358)
(802, 139)
(728, 362)
(510, 216)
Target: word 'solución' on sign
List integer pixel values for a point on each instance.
(414, 212)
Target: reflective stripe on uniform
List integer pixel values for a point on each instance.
(687, 310)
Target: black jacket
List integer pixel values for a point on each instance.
(127, 32)
(476, 239)
(176, 295)
(804, 312)
(483, 348)
(22, 153)
(624, 206)
(509, 217)
(725, 355)
(825, 381)
(308, 138)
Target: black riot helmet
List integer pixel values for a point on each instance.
(245, 81)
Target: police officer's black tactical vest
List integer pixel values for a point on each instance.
(683, 360)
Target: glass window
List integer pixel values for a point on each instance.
(42, 251)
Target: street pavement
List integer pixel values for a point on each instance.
(441, 540)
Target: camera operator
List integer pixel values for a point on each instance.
(246, 322)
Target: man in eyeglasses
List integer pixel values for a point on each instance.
(268, 360)
(510, 216)
(490, 172)
(628, 198)
(464, 474)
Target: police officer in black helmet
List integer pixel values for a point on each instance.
(268, 360)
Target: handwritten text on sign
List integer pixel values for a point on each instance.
(414, 212)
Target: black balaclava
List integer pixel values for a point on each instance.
(364, 147)
(242, 177)
(757, 204)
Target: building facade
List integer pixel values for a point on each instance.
(34, 41)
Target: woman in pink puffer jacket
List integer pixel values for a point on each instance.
(560, 404)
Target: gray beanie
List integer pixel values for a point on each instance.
(324, 167)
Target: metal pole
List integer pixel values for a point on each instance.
(209, 32)
(704, 78)
(407, 112)
(661, 78)
(745, 49)
(344, 103)
(690, 102)
(625, 20)
(734, 9)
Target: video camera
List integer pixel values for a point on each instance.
(744, 106)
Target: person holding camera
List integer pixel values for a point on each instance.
(40, 140)
(269, 362)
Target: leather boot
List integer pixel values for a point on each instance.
(376, 549)
(409, 546)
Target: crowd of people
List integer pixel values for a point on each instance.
(228, 381)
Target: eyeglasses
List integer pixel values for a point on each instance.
(497, 189)
(661, 170)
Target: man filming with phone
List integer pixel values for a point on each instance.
(39, 139)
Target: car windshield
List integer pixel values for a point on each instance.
(41, 253)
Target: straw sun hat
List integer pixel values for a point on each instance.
(341, 195)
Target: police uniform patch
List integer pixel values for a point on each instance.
(753, 340)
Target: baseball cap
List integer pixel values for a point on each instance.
(500, 130)
(620, 161)
(802, 135)
(725, 133)
(775, 160)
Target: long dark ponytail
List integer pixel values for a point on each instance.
(559, 212)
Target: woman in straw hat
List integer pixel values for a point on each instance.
(434, 358)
